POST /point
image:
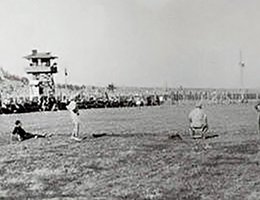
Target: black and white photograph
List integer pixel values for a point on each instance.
(130, 99)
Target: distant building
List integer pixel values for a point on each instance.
(41, 70)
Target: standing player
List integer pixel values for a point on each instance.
(257, 107)
(74, 113)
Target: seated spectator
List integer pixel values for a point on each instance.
(198, 121)
(199, 124)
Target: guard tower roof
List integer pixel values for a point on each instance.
(36, 54)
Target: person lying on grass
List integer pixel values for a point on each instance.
(22, 134)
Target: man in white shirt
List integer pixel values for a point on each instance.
(74, 113)
(198, 121)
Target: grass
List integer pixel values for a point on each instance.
(138, 162)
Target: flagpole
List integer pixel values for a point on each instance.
(242, 65)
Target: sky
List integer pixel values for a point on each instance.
(148, 43)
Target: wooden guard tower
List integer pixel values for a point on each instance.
(41, 70)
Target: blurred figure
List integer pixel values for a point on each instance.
(74, 113)
(257, 107)
(198, 121)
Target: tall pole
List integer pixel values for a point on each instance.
(166, 86)
(242, 65)
(66, 81)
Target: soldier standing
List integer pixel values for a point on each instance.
(257, 107)
(74, 113)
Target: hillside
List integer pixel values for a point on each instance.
(12, 85)
(16, 86)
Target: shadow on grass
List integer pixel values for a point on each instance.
(211, 136)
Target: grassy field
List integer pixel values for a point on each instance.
(138, 161)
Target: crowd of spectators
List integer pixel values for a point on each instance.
(112, 100)
(52, 103)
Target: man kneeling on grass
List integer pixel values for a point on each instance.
(198, 123)
(22, 134)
